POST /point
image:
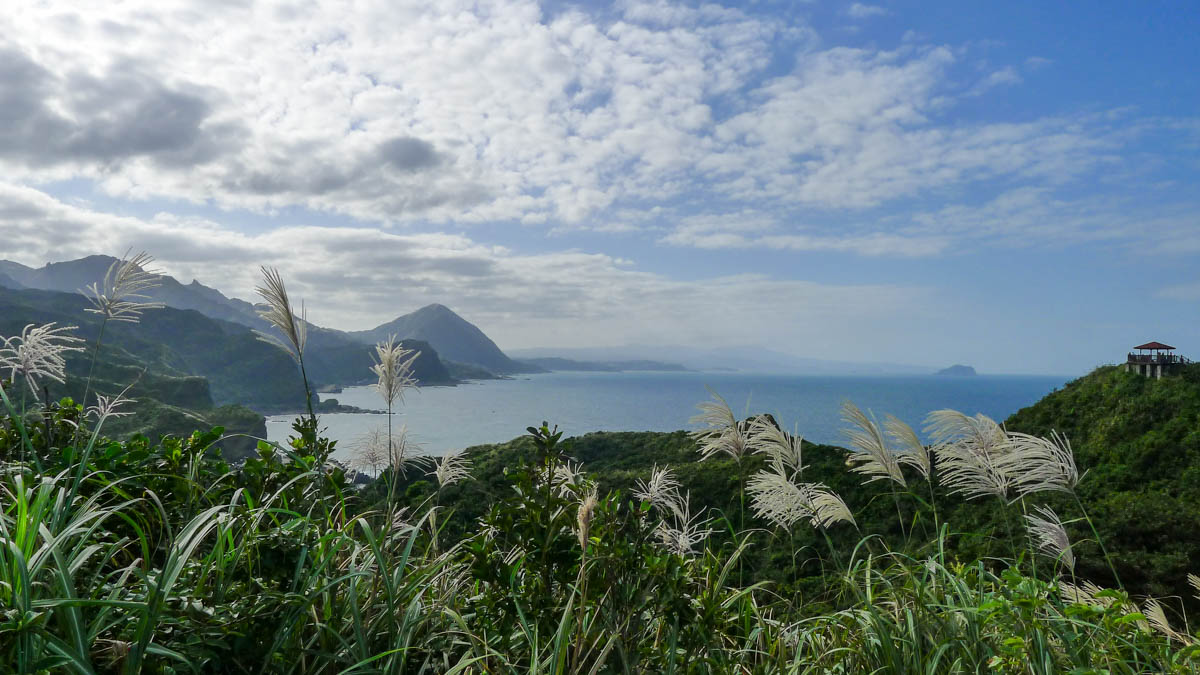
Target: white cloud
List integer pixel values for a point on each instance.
(478, 112)
(859, 10)
(1006, 76)
(358, 277)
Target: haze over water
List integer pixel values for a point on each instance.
(448, 418)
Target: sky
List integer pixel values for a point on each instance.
(1011, 185)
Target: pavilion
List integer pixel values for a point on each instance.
(1154, 359)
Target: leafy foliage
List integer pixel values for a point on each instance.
(139, 556)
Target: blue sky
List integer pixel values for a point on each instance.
(1011, 186)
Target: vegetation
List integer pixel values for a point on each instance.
(240, 369)
(769, 556)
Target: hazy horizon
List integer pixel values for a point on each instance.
(1007, 187)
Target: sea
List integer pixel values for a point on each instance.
(447, 418)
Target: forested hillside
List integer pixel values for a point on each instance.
(1136, 442)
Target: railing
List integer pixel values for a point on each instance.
(1157, 359)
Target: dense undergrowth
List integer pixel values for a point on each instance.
(138, 557)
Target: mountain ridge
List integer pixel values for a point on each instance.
(456, 338)
(438, 326)
(241, 368)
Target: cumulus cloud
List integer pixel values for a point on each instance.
(480, 112)
(77, 118)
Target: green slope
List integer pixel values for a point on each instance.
(1137, 439)
(240, 368)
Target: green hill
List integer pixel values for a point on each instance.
(1136, 439)
(240, 368)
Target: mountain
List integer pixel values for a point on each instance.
(558, 363)
(73, 275)
(745, 359)
(7, 281)
(240, 367)
(336, 355)
(957, 371)
(455, 338)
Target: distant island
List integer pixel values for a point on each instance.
(958, 371)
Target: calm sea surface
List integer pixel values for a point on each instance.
(448, 418)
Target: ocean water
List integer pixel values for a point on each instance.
(439, 419)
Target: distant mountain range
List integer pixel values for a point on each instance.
(453, 346)
(559, 363)
(239, 367)
(333, 351)
(747, 359)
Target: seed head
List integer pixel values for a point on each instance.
(685, 532)
(662, 490)
(722, 432)
(969, 453)
(1049, 536)
(39, 352)
(393, 367)
(450, 468)
(587, 508)
(769, 439)
(280, 314)
(124, 287)
(869, 451)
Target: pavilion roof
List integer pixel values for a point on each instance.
(1154, 345)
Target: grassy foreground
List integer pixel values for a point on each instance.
(132, 556)
(126, 557)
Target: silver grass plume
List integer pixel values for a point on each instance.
(280, 314)
(687, 531)
(662, 490)
(109, 406)
(1194, 581)
(122, 295)
(1035, 464)
(587, 508)
(968, 451)
(393, 367)
(372, 451)
(722, 432)
(1049, 536)
(39, 352)
(869, 451)
(778, 498)
(1086, 593)
(828, 508)
(566, 477)
(450, 468)
(772, 441)
(1156, 616)
(775, 498)
(909, 448)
